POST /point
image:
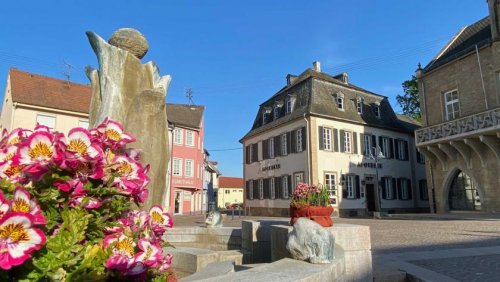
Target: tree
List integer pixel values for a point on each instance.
(409, 101)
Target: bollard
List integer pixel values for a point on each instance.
(232, 214)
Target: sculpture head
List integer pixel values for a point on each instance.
(131, 40)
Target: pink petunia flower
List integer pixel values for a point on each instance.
(4, 205)
(165, 263)
(123, 252)
(113, 134)
(150, 255)
(23, 203)
(18, 238)
(160, 220)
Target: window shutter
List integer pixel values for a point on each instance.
(384, 189)
(277, 145)
(335, 140)
(362, 143)
(344, 187)
(406, 157)
(374, 141)
(410, 193)
(265, 149)
(290, 186)
(355, 142)
(396, 148)
(320, 138)
(278, 194)
(400, 188)
(267, 193)
(288, 142)
(391, 148)
(248, 188)
(255, 188)
(419, 160)
(304, 138)
(342, 149)
(255, 152)
(394, 188)
(247, 154)
(380, 144)
(358, 187)
(293, 143)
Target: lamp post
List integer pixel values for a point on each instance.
(377, 156)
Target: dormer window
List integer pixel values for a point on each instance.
(339, 99)
(376, 109)
(265, 115)
(276, 112)
(359, 105)
(290, 101)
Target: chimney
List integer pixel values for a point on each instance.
(317, 66)
(494, 11)
(345, 78)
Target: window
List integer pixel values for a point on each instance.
(422, 185)
(362, 192)
(401, 155)
(284, 150)
(347, 141)
(178, 136)
(226, 191)
(376, 108)
(290, 101)
(298, 178)
(327, 138)
(177, 167)
(272, 188)
(47, 120)
(277, 112)
(388, 188)
(367, 144)
(451, 105)
(250, 190)
(349, 182)
(189, 169)
(385, 146)
(298, 144)
(261, 189)
(271, 147)
(330, 184)
(83, 123)
(284, 182)
(359, 105)
(403, 184)
(265, 117)
(420, 158)
(339, 99)
(189, 138)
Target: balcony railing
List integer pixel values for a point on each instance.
(477, 122)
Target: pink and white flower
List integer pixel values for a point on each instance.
(123, 252)
(18, 239)
(16, 136)
(40, 150)
(160, 220)
(23, 203)
(150, 255)
(12, 170)
(113, 134)
(80, 146)
(165, 263)
(4, 205)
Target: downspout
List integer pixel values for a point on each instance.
(482, 79)
(11, 126)
(307, 150)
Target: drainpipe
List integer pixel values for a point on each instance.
(307, 150)
(482, 79)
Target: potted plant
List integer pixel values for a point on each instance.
(67, 208)
(313, 202)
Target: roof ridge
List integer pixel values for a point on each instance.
(46, 77)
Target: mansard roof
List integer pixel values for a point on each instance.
(314, 94)
(185, 115)
(464, 42)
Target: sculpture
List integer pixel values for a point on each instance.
(214, 219)
(134, 94)
(309, 241)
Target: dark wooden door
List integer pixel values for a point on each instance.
(370, 197)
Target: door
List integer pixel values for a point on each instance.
(177, 204)
(370, 197)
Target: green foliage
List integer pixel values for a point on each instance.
(409, 101)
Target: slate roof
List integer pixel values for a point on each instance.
(315, 92)
(230, 182)
(463, 43)
(43, 91)
(185, 115)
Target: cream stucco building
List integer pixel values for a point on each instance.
(324, 130)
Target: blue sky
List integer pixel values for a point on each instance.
(236, 54)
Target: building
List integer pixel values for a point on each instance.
(210, 183)
(460, 104)
(187, 167)
(31, 98)
(230, 191)
(321, 129)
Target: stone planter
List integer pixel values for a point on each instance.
(320, 215)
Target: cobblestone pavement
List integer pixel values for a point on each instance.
(475, 268)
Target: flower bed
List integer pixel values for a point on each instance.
(313, 202)
(66, 208)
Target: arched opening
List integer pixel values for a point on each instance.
(463, 194)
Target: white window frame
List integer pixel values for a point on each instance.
(404, 188)
(284, 149)
(327, 138)
(271, 147)
(298, 177)
(340, 102)
(177, 136)
(377, 111)
(261, 188)
(276, 112)
(265, 116)
(347, 142)
(385, 146)
(289, 105)
(47, 120)
(298, 144)
(367, 143)
(453, 102)
(401, 149)
(388, 188)
(188, 168)
(284, 185)
(272, 188)
(189, 138)
(359, 105)
(349, 182)
(330, 183)
(177, 171)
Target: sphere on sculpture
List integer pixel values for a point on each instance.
(131, 40)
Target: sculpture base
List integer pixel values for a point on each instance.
(320, 215)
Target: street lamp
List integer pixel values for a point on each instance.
(377, 156)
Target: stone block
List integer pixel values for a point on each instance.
(191, 260)
(212, 270)
(235, 256)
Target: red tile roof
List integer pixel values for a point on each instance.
(230, 182)
(43, 91)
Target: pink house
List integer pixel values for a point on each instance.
(186, 168)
